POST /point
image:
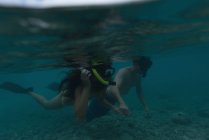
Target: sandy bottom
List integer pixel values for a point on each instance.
(60, 125)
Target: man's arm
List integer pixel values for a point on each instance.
(116, 92)
(140, 94)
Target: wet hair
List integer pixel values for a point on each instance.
(73, 78)
(71, 82)
(144, 62)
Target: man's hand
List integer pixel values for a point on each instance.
(123, 109)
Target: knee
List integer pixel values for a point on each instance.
(48, 106)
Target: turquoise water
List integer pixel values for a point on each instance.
(173, 33)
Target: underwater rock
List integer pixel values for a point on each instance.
(181, 118)
(126, 137)
(131, 125)
(204, 113)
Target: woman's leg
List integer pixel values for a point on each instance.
(54, 103)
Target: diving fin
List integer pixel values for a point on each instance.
(15, 88)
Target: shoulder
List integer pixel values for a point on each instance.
(123, 74)
(123, 71)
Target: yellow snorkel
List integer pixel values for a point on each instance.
(98, 77)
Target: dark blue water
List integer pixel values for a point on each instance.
(173, 33)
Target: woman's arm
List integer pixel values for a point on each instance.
(81, 102)
(82, 94)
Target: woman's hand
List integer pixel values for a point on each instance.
(85, 77)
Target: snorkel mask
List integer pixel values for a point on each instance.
(109, 71)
